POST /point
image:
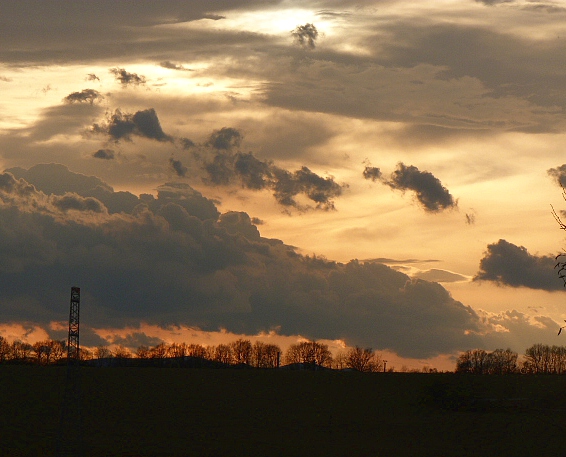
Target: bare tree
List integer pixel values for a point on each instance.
(102, 352)
(340, 361)
(502, 361)
(4, 349)
(121, 352)
(309, 353)
(265, 355)
(177, 350)
(541, 358)
(223, 354)
(365, 360)
(85, 354)
(537, 359)
(158, 352)
(558, 359)
(479, 361)
(197, 350)
(57, 349)
(142, 352)
(241, 351)
(20, 351)
(40, 349)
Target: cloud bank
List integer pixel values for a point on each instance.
(174, 259)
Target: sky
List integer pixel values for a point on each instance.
(375, 173)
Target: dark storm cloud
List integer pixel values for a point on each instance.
(559, 175)
(507, 264)
(92, 77)
(144, 123)
(178, 167)
(174, 260)
(430, 192)
(126, 78)
(106, 154)
(306, 35)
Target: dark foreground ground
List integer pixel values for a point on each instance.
(204, 412)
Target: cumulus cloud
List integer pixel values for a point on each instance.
(126, 78)
(69, 202)
(122, 126)
(84, 96)
(174, 260)
(428, 189)
(306, 35)
(510, 265)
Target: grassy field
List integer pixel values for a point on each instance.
(203, 412)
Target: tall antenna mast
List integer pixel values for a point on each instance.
(69, 439)
(73, 339)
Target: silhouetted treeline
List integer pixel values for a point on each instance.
(538, 359)
(42, 352)
(541, 358)
(304, 355)
(479, 361)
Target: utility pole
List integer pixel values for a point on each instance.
(69, 439)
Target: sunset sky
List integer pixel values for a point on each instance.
(374, 173)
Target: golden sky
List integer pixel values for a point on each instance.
(187, 157)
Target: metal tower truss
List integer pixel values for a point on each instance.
(69, 439)
(73, 348)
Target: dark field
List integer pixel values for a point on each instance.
(205, 412)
